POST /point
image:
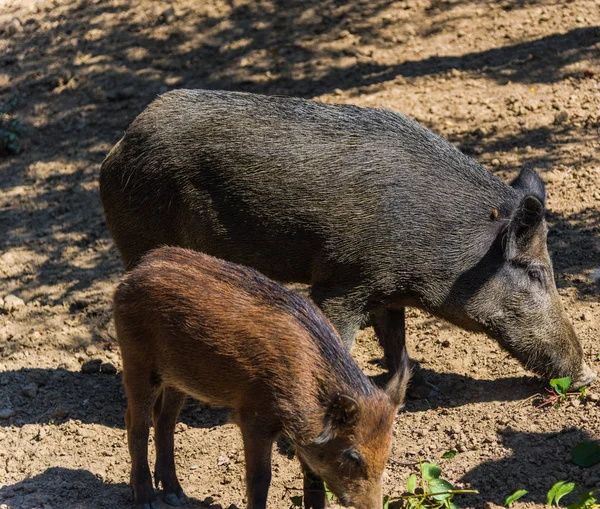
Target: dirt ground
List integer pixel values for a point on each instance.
(510, 82)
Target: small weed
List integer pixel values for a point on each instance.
(559, 393)
(586, 454)
(586, 501)
(558, 491)
(514, 497)
(432, 493)
(10, 129)
(448, 455)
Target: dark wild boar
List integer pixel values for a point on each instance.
(191, 324)
(370, 208)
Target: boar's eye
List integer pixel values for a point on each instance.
(536, 274)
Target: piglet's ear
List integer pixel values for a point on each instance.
(526, 223)
(342, 415)
(396, 387)
(530, 182)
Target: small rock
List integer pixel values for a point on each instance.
(446, 343)
(14, 27)
(92, 350)
(6, 413)
(12, 302)
(193, 467)
(495, 162)
(168, 15)
(586, 317)
(561, 117)
(30, 390)
(108, 369)
(223, 460)
(594, 396)
(455, 72)
(92, 366)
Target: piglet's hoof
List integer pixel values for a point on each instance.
(179, 498)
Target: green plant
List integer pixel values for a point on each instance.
(586, 501)
(514, 497)
(558, 491)
(10, 129)
(586, 454)
(433, 492)
(560, 392)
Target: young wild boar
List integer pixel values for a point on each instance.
(370, 208)
(191, 324)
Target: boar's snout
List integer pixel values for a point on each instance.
(586, 377)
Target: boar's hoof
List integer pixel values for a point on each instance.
(150, 505)
(176, 498)
(419, 388)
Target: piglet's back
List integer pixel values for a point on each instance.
(217, 330)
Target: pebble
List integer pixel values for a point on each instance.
(6, 413)
(12, 302)
(495, 162)
(92, 366)
(30, 390)
(108, 369)
(14, 27)
(561, 117)
(223, 460)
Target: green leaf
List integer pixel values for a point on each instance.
(515, 496)
(430, 471)
(451, 505)
(558, 491)
(561, 385)
(297, 501)
(411, 484)
(449, 454)
(586, 501)
(328, 492)
(438, 486)
(586, 454)
(386, 502)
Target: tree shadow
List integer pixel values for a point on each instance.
(74, 489)
(537, 461)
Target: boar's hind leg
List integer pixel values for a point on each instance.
(165, 413)
(314, 490)
(140, 398)
(390, 329)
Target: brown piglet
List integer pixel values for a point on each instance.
(189, 324)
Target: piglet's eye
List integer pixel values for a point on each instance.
(354, 457)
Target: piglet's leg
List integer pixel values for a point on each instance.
(165, 413)
(140, 398)
(258, 444)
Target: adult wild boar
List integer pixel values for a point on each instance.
(370, 208)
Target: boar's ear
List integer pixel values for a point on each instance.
(530, 182)
(342, 415)
(524, 225)
(396, 387)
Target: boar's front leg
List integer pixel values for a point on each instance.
(314, 490)
(389, 325)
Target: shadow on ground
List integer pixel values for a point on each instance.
(550, 453)
(74, 489)
(62, 395)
